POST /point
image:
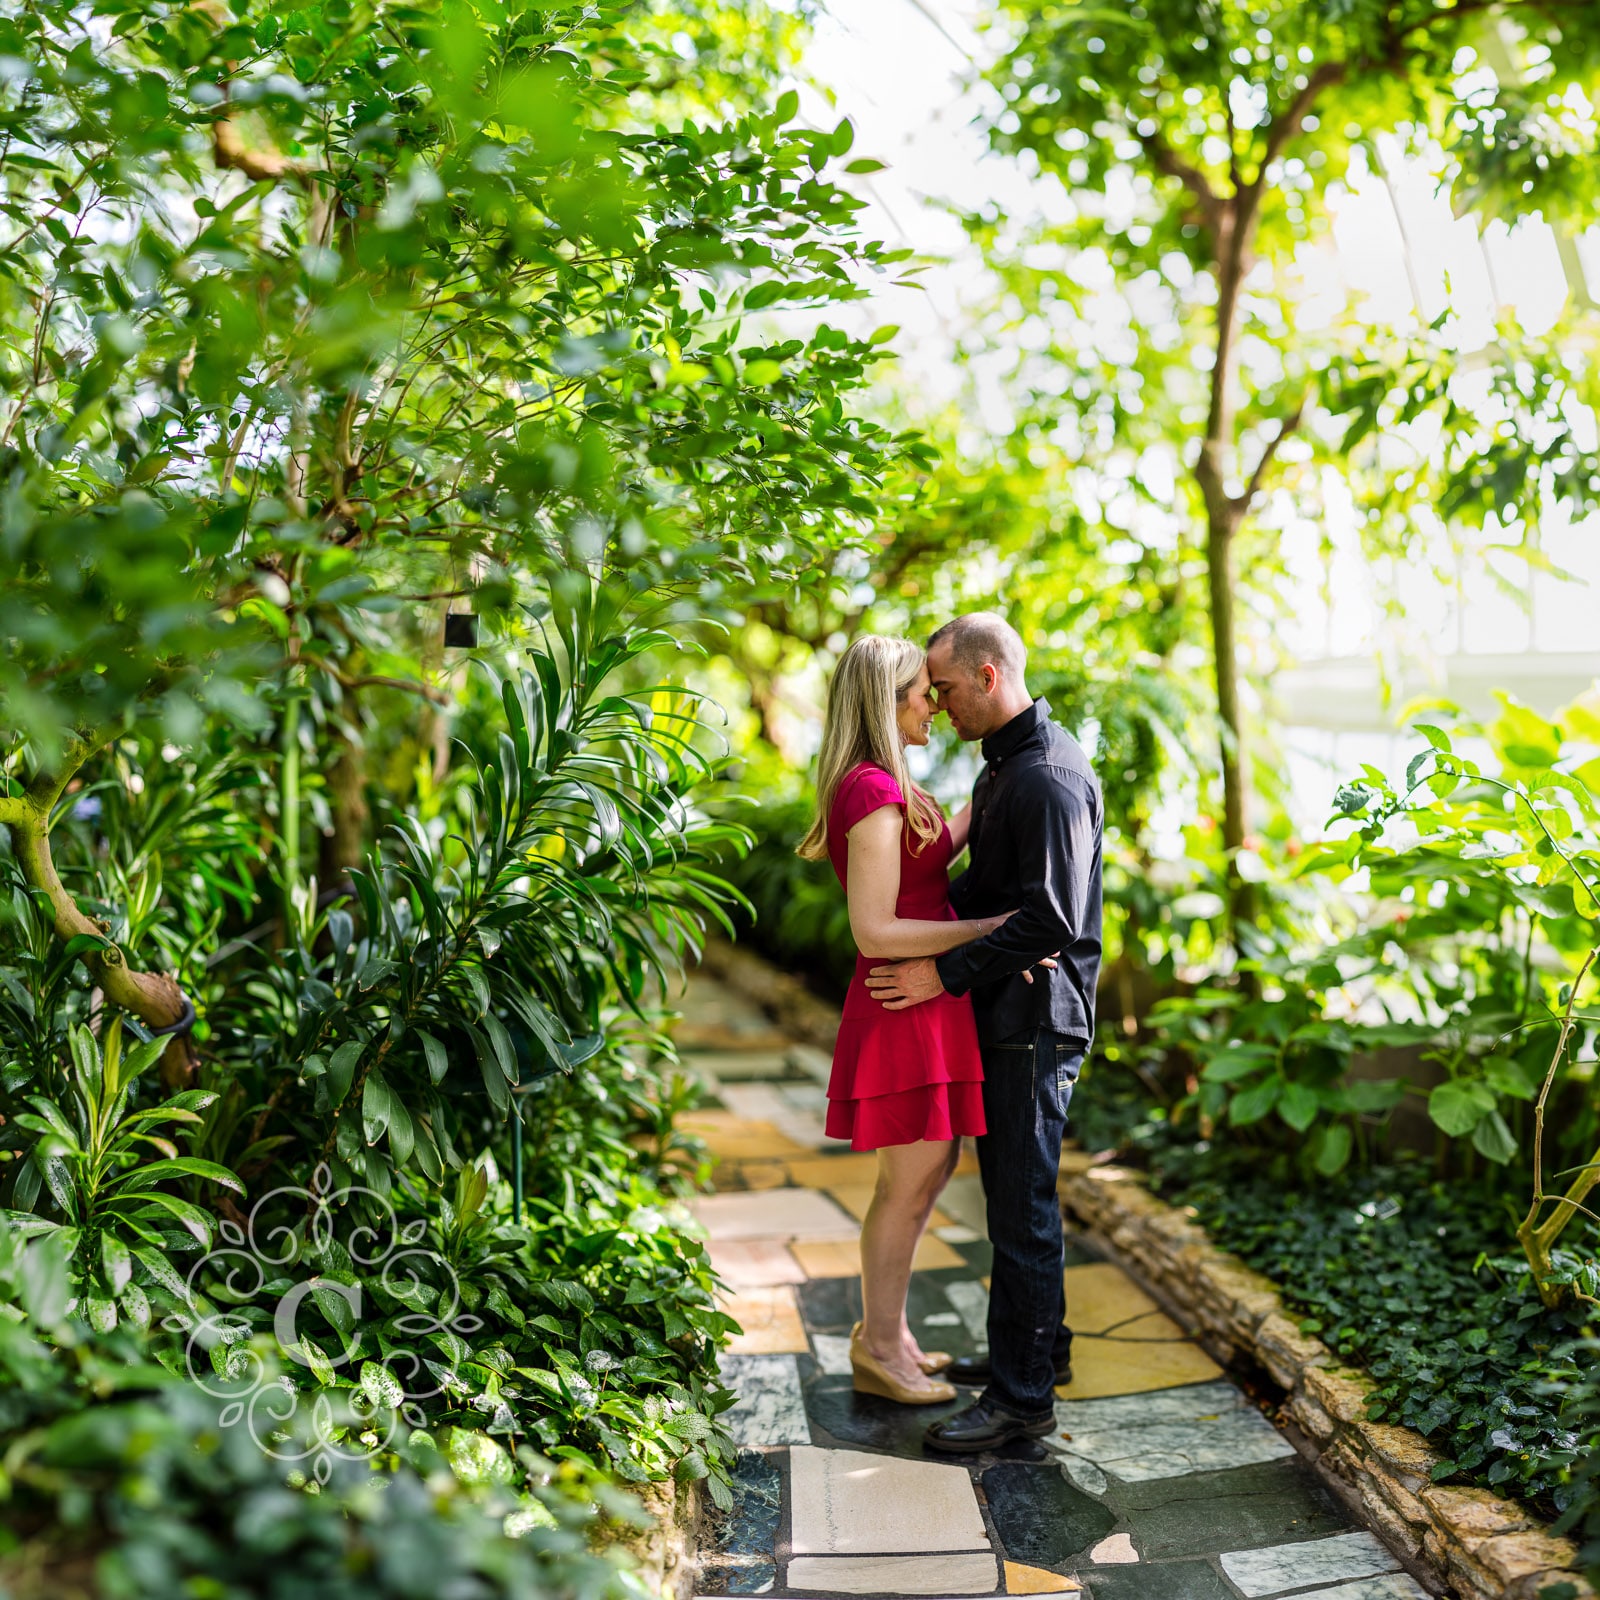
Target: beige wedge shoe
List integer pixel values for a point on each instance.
(870, 1376)
(932, 1360)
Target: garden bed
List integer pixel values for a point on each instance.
(1470, 1539)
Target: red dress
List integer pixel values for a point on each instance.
(901, 1076)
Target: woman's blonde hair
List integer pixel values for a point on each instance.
(869, 685)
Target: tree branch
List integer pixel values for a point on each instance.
(1166, 160)
(1284, 128)
(1285, 429)
(153, 997)
(410, 685)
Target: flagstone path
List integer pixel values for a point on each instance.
(1162, 1481)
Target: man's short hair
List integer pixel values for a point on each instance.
(984, 638)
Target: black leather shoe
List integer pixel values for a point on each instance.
(985, 1425)
(974, 1372)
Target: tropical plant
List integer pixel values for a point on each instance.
(93, 1157)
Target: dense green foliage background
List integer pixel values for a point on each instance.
(413, 418)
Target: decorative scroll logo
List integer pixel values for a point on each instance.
(337, 1248)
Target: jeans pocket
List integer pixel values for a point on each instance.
(1069, 1063)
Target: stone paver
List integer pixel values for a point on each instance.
(1162, 1480)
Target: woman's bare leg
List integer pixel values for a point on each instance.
(910, 1177)
(913, 1349)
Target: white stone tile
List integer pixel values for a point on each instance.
(773, 1214)
(755, 1102)
(1391, 1586)
(896, 1575)
(1293, 1566)
(1202, 1427)
(810, 1097)
(846, 1502)
(771, 1408)
(1085, 1474)
(1186, 1404)
(971, 1301)
(943, 1319)
(957, 1233)
(832, 1351)
(815, 1063)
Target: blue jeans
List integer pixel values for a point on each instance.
(1027, 1085)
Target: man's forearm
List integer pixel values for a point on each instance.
(1022, 943)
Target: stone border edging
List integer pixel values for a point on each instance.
(780, 994)
(664, 1551)
(1485, 1546)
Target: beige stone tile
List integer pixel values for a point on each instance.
(856, 1197)
(846, 1502)
(735, 1175)
(1035, 1580)
(1154, 1326)
(808, 1128)
(828, 1172)
(1075, 1161)
(1101, 1296)
(1103, 1367)
(841, 1258)
(896, 1575)
(736, 1138)
(770, 1318)
(701, 1038)
(773, 1214)
(963, 1200)
(754, 1263)
(1116, 1551)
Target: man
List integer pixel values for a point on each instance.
(1035, 846)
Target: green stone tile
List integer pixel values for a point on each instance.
(1171, 1580)
(1040, 1519)
(1277, 1502)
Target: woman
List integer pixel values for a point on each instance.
(907, 1084)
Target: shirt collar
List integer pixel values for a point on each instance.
(1010, 737)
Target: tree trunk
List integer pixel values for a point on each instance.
(344, 842)
(1234, 753)
(1234, 229)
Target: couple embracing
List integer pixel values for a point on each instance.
(972, 1004)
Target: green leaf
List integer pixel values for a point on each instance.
(1507, 1078)
(1298, 1106)
(183, 1166)
(376, 1107)
(1251, 1105)
(434, 1051)
(1333, 1149)
(192, 1217)
(1459, 1105)
(341, 1069)
(381, 1386)
(1492, 1138)
(115, 1261)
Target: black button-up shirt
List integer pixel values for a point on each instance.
(1037, 820)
